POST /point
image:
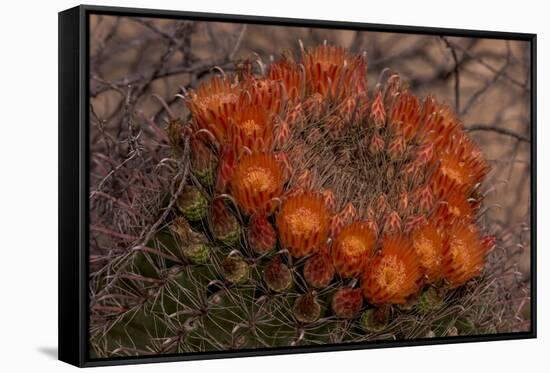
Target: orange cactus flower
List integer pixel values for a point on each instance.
(458, 157)
(290, 74)
(394, 274)
(352, 249)
(440, 123)
(333, 72)
(455, 168)
(303, 223)
(458, 206)
(464, 253)
(428, 242)
(265, 93)
(212, 106)
(226, 167)
(443, 186)
(252, 127)
(281, 134)
(257, 179)
(406, 116)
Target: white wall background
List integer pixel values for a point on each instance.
(28, 184)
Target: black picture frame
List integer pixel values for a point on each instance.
(73, 181)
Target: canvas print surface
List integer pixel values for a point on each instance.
(257, 187)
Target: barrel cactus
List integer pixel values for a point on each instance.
(308, 209)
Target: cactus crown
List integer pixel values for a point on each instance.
(330, 211)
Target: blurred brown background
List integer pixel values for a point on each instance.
(486, 81)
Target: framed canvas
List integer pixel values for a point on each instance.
(239, 186)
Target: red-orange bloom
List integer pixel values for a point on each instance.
(440, 123)
(428, 242)
(458, 206)
(464, 254)
(332, 71)
(290, 74)
(406, 116)
(226, 167)
(212, 106)
(462, 169)
(251, 127)
(257, 179)
(303, 223)
(394, 274)
(265, 93)
(352, 249)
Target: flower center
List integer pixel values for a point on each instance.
(354, 245)
(390, 274)
(217, 99)
(250, 127)
(459, 253)
(425, 248)
(303, 221)
(455, 170)
(259, 179)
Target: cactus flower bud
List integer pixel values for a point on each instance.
(429, 300)
(378, 113)
(319, 270)
(203, 162)
(197, 253)
(277, 275)
(307, 308)
(347, 302)
(225, 226)
(375, 319)
(376, 144)
(262, 237)
(192, 204)
(235, 270)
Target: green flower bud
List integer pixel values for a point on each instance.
(235, 270)
(192, 204)
(306, 308)
(375, 319)
(197, 253)
(429, 300)
(277, 275)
